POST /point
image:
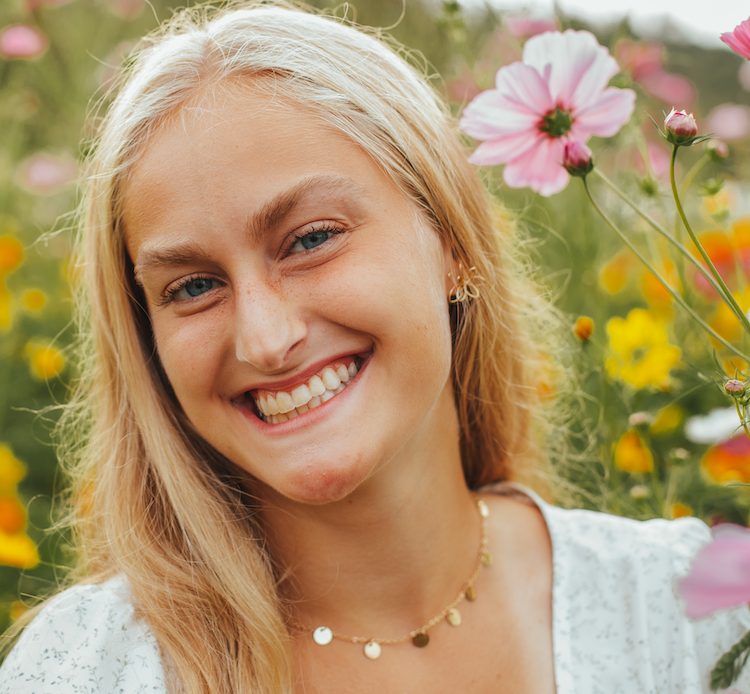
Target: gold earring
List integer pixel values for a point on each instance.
(465, 285)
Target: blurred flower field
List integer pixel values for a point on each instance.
(650, 431)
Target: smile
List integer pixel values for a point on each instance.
(280, 406)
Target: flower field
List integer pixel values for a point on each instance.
(650, 425)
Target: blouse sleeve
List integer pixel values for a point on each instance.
(85, 641)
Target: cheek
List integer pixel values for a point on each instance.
(191, 349)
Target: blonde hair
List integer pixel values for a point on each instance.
(153, 501)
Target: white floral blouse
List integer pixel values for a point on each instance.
(618, 627)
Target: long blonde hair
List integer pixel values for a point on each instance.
(152, 500)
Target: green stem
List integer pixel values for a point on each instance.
(692, 173)
(727, 294)
(742, 418)
(659, 228)
(658, 276)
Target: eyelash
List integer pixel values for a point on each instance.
(169, 294)
(325, 227)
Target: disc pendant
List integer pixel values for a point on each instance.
(471, 593)
(372, 650)
(453, 617)
(483, 510)
(486, 558)
(420, 640)
(322, 636)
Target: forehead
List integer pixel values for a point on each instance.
(237, 143)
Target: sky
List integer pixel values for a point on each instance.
(701, 21)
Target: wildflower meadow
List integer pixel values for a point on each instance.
(621, 161)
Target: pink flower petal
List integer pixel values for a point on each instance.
(44, 174)
(719, 575)
(540, 168)
(729, 122)
(671, 89)
(605, 116)
(502, 150)
(523, 26)
(580, 67)
(524, 86)
(21, 41)
(739, 39)
(490, 115)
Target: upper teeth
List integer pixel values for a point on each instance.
(319, 389)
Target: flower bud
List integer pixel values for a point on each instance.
(734, 387)
(717, 150)
(577, 158)
(583, 328)
(681, 127)
(638, 419)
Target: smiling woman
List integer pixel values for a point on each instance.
(308, 399)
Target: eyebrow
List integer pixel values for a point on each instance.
(270, 215)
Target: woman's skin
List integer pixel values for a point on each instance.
(363, 497)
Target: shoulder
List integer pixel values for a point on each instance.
(615, 581)
(87, 639)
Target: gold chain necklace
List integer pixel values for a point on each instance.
(324, 635)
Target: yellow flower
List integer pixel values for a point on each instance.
(642, 356)
(18, 550)
(12, 471)
(6, 307)
(583, 328)
(667, 419)
(726, 323)
(45, 361)
(631, 453)
(11, 254)
(679, 510)
(33, 300)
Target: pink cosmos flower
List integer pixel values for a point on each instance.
(719, 575)
(22, 41)
(522, 26)
(644, 60)
(729, 122)
(681, 125)
(44, 174)
(558, 92)
(739, 39)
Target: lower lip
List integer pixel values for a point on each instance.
(306, 418)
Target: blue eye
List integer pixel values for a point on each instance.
(311, 240)
(195, 287)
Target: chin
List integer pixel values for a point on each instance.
(326, 484)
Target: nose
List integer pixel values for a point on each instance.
(268, 326)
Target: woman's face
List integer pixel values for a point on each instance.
(285, 273)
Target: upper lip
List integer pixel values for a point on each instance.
(300, 377)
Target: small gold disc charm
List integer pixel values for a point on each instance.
(372, 650)
(471, 593)
(453, 617)
(322, 636)
(483, 510)
(486, 558)
(420, 640)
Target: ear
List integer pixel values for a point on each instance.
(450, 266)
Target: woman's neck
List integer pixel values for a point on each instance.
(387, 558)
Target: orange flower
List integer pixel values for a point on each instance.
(614, 275)
(583, 328)
(12, 516)
(729, 461)
(725, 322)
(18, 550)
(632, 454)
(11, 254)
(33, 300)
(654, 291)
(45, 361)
(667, 419)
(679, 510)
